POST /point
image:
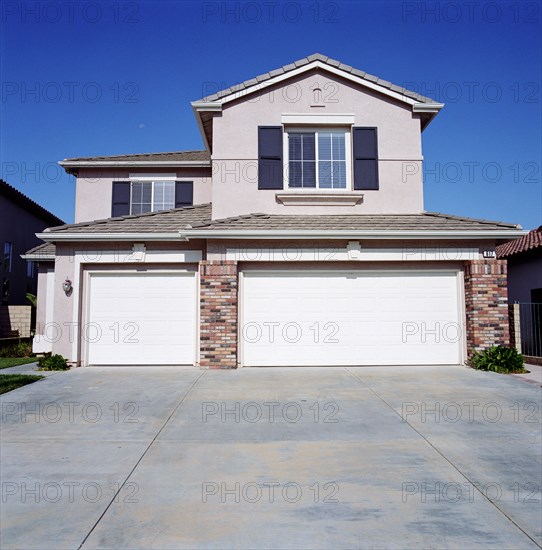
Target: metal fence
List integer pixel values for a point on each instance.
(530, 327)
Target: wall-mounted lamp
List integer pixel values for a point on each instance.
(67, 287)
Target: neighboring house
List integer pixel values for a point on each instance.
(298, 237)
(20, 219)
(524, 257)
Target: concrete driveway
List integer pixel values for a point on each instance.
(401, 457)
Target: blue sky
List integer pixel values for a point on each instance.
(103, 78)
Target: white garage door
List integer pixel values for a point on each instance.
(141, 319)
(354, 318)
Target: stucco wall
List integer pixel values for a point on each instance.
(524, 274)
(18, 226)
(69, 309)
(94, 188)
(235, 146)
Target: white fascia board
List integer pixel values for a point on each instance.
(300, 70)
(196, 110)
(54, 236)
(427, 107)
(37, 257)
(324, 118)
(315, 234)
(121, 164)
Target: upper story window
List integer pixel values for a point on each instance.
(318, 158)
(151, 196)
(7, 257)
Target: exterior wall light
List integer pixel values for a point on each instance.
(67, 287)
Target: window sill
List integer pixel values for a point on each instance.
(319, 198)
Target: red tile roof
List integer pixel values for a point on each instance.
(532, 240)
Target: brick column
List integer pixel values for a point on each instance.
(218, 314)
(486, 304)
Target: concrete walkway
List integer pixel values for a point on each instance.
(389, 457)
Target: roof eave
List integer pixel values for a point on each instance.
(65, 236)
(352, 234)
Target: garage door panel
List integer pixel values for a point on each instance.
(146, 319)
(350, 318)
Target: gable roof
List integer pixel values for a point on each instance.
(528, 242)
(195, 222)
(305, 62)
(27, 203)
(194, 159)
(205, 107)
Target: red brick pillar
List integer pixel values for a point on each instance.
(218, 314)
(486, 304)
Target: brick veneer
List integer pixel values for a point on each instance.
(218, 314)
(486, 304)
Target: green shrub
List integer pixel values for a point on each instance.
(53, 362)
(22, 349)
(497, 359)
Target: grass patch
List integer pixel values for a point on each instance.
(6, 362)
(10, 382)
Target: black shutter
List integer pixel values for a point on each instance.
(365, 158)
(120, 202)
(270, 157)
(184, 193)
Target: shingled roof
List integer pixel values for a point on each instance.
(173, 156)
(305, 61)
(198, 218)
(531, 241)
(46, 251)
(165, 221)
(357, 222)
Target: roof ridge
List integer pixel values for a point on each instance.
(307, 60)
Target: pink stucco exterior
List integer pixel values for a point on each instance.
(94, 188)
(235, 146)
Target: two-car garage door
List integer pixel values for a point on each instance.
(141, 318)
(350, 318)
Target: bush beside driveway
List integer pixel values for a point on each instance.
(402, 457)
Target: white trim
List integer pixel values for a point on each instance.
(37, 257)
(187, 235)
(128, 163)
(347, 132)
(339, 234)
(327, 118)
(152, 177)
(307, 197)
(82, 257)
(427, 107)
(53, 236)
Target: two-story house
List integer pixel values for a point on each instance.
(297, 237)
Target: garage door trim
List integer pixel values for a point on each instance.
(83, 345)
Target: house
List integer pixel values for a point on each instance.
(20, 219)
(297, 237)
(524, 257)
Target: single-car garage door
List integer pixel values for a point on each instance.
(350, 318)
(141, 318)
